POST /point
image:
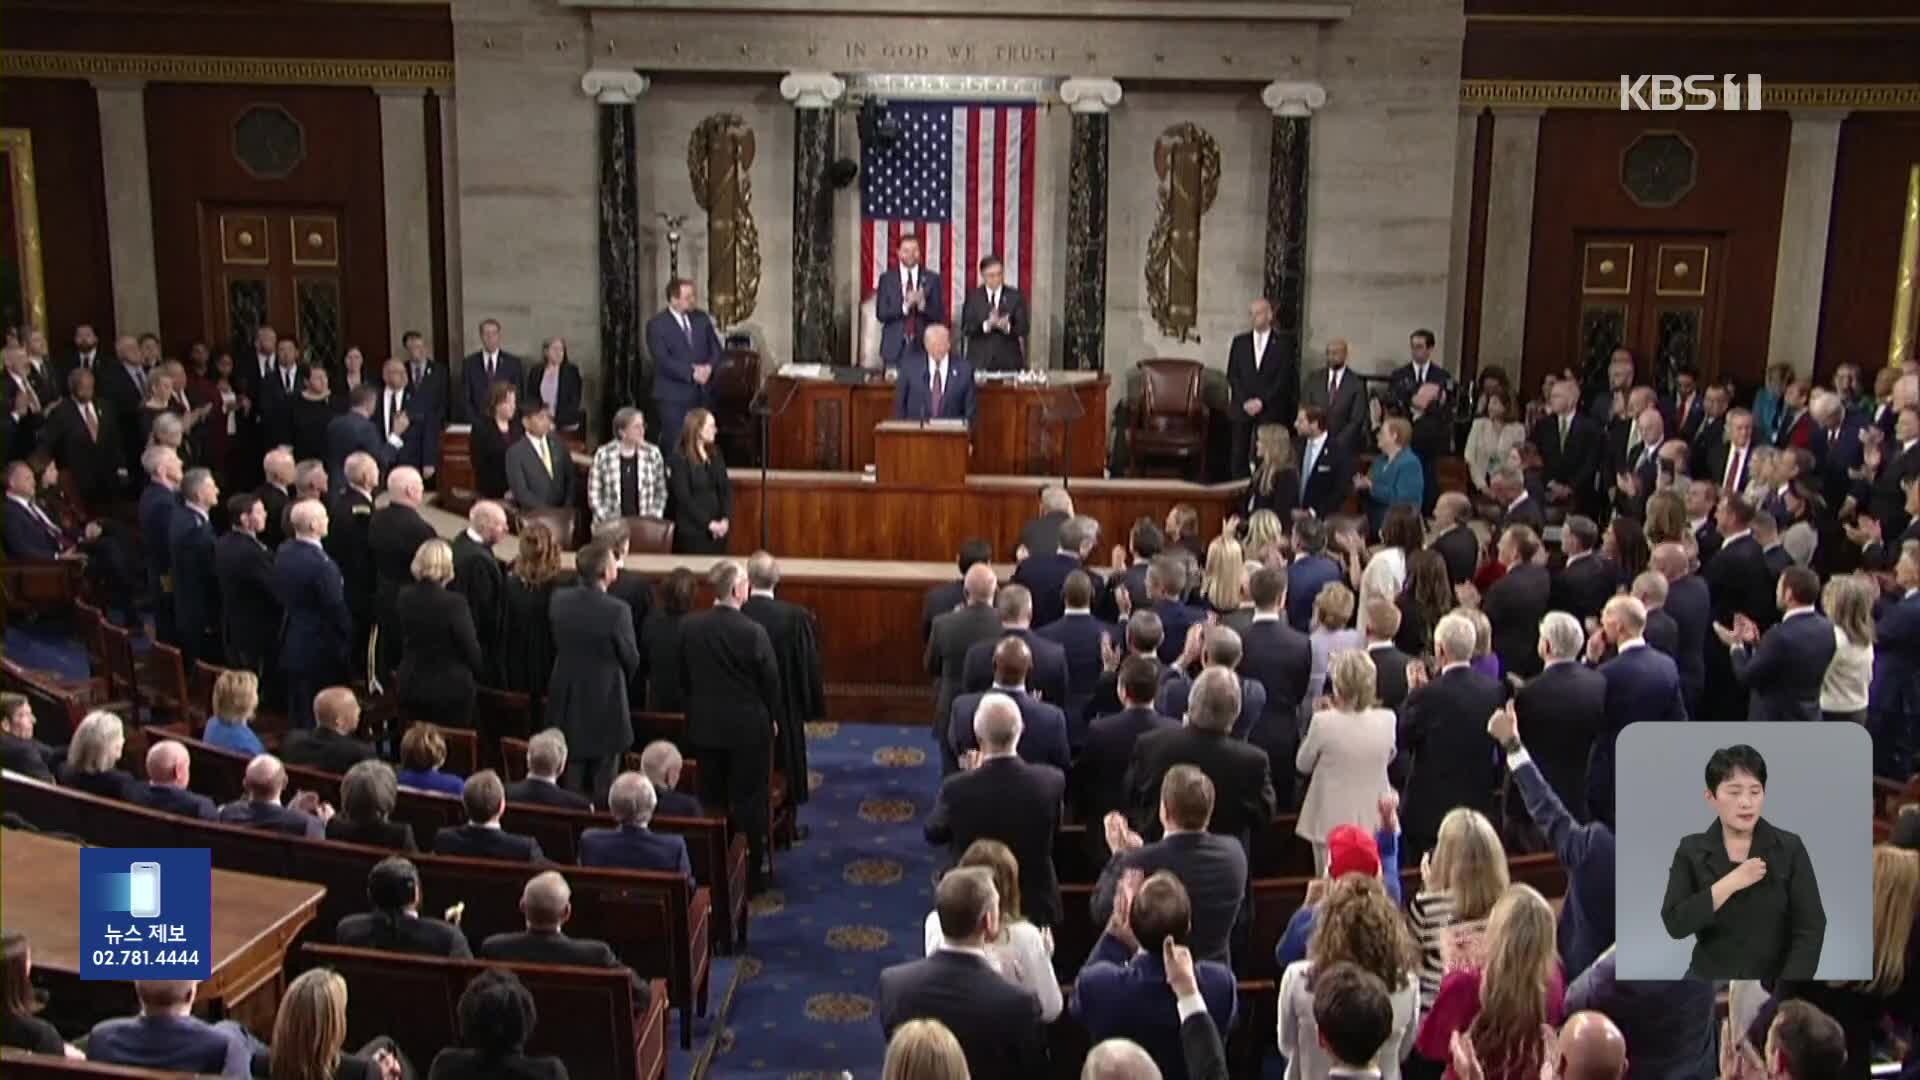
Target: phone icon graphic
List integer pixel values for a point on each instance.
(144, 896)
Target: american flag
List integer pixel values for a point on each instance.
(961, 176)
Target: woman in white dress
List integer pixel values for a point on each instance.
(1345, 754)
(1848, 600)
(1024, 953)
(1491, 438)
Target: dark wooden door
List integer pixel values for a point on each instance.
(278, 267)
(1657, 294)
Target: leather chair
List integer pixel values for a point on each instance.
(558, 520)
(735, 382)
(649, 536)
(1170, 421)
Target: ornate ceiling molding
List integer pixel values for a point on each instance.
(1546, 94)
(267, 70)
(959, 87)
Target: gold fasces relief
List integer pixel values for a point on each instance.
(1187, 161)
(719, 165)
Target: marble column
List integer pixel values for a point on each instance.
(403, 175)
(1503, 288)
(1453, 336)
(615, 91)
(1284, 268)
(1805, 216)
(813, 94)
(123, 159)
(1090, 100)
(455, 345)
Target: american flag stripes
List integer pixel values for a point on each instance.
(961, 176)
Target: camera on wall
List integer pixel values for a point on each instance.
(877, 125)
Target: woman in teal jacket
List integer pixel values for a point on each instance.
(1396, 476)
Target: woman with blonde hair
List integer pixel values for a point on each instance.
(1276, 481)
(93, 758)
(1503, 1002)
(924, 1050)
(1460, 881)
(1024, 953)
(440, 659)
(1345, 753)
(1358, 924)
(1848, 600)
(1220, 581)
(236, 694)
(1265, 540)
(527, 655)
(1667, 519)
(1329, 630)
(310, 1036)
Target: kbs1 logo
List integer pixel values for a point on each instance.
(1689, 93)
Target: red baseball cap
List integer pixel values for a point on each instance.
(1351, 850)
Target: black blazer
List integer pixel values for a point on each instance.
(1016, 803)
(701, 493)
(567, 413)
(325, 749)
(1331, 481)
(547, 793)
(1573, 461)
(1772, 929)
(480, 842)
(1527, 512)
(440, 651)
(1783, 673)
(402, 934)
(1044, 573)
(1461, 550)
(1346, 409)
(555, 947)
(460, 1063)
(1740, 582)
(29, 757)
(1515, 605)
(1562, 711)
(91, 464)
(594, 655)
(107, 784)
(1214, 870)
(1280, 659)
(348, 515)
(940, 600)
(1243, 801)
(996, 1022)
(1444, 727)
(490, 456)
(732, 679)
(1273, 378)
(1100, 766)
(271, 816)
(994, 350)
(1389, 673)
(1691, 607)
(173, 800)
(1048, 677)
(1079, 638)
(396, 835)
(1584, 586)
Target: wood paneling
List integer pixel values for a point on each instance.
(190, 152)
(1603, 51)
(1877, 151)
(1740, 185)
(64, 117)
(291, 28)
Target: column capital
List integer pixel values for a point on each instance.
(1817, 117)
(115, 84)
(812, 89)
(1525, 112)
(613, 86)
(400, 91)
(1293, 99)
(1090, 95)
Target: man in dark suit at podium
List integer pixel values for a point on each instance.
(936, 386)
(685, 348)
(1262, 380)
(994, 321)
(908, 300)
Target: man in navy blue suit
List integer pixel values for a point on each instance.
(685, 349)
(196, 591)
(1217, 647)
(319, 625)
(1045, 573)
(1044, 727)
(166, 1035)
(485, 366)
(1326, 466)
(30, 532)
(1642, 684)
(1280, 659)
(1894, 697)
(1690, 605)
(485, 800)
(937, 385)
(1309, 571)
(1014, 605)
(354, 432)
(1837, 449)
(167, 789)
(158, 502)
(1081, 636)
(909, 300)
(431, 387)
(632, 845)
(1783, 669)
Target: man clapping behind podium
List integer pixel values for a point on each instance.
(936, 386)
(994, 320)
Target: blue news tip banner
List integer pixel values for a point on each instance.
(146, 913)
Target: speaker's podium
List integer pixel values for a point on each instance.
(931, 453)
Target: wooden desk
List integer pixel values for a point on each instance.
(828, 425)
(916, 452)
(255, 920)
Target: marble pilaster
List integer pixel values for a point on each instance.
(1284, 263)
(123, 159)
(1510, 183)
(455, 345)
(1090, 100)
(615, 91)
(1805, 216)
(403, 174)
(813, 95)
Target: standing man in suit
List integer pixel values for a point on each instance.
(953, 635)
(484, 798)
(83, 438)
(1713, 431)
(23, 404)
(1783, 669)
(950, 595)
(1894, 696)
(1689, 406)
(158, 501)
(1083, 638)
(84, 357)
(480, 577)
(1888, 464)
(1740, 583)
(1243, 784)
(1837, 449)
(250, 612)
(394, 534)
(685, 348)
(1045, 573)
(1518, 506)
(1571, 446)
(1587, 580)
(1044, 739)
(1342, 397)
(997, 795)
(1380, 618)
(996, 1021)
(1263, 383)
(354, 432)
(1642, 684)
(1518, 601)
(1565, 707)
(1326, 467)
(279, 391)
(595, 654)
(196, 587)
(485, 366)
(1689, 604)
(733, 699)
(430, 396)
(123, 386)
(1419, 370)
(394, 415)
(796, 648)
(935, 385)
(539, 467)
(350, 518)
(1443, 729)
(319, 623)
(1014, 605)
(277, 492)
(1279, 657)
(1213, 868)
(1453, 537)
(1100, 767)
(994, 320)
(1309, 572)
(1703, 499)
(1728, 464)
(910, 299)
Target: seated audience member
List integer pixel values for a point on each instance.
(1502, 1000)
(1242, 783)
(310, 1037)
(632, 845)
(546, 760)
(166, 1035)
(166, 787)
(1669, 1023)
(329, 745)
(1122, 991)
(1043, 727)
(236, 695)
(1212, 868)
(1350, 850)
(1345, 754)
(259, 805)
(996, 1022)
(924, 1050)
(92, 756)
(422, 751)
(367, 795)
(1359, 927)
(661, 763)
(19, 1001)
(482, 837)
(1020, 952)
(1357, 1016)
(1459, 885)
(1000, 797)
(19, 751)
(547, 904)
(395, 923)
(497, 1017)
